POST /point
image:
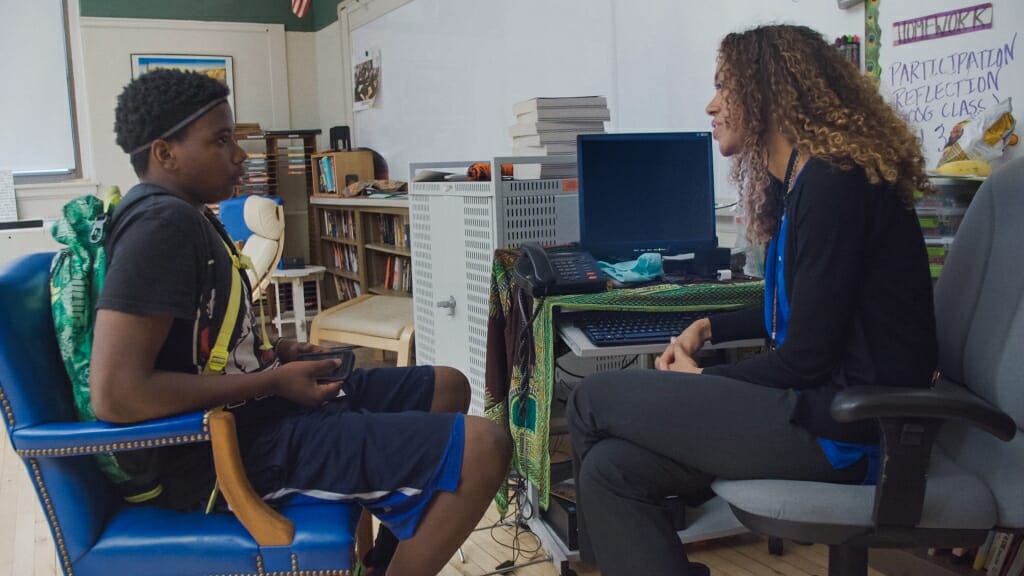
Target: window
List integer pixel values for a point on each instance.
(38, 139)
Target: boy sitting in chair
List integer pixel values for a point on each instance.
(393, 440)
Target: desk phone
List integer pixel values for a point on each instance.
(565, 270)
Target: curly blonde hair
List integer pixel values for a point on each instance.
(788, 78)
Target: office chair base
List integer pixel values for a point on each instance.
(846, 560)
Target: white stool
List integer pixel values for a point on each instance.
(373, 321)
(298, 278)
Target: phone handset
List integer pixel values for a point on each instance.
(536, 266)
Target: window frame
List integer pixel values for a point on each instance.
(75, 173)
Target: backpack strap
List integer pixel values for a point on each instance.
(218, 359)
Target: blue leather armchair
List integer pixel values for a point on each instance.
(97, 533)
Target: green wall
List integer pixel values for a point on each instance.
(321, 13)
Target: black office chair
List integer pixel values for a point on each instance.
(951, 467)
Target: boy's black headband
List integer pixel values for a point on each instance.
(188, 120)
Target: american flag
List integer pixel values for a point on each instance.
(299, 7)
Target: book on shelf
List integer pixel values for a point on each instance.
(568, 130)
(326, 184)
(391, 230)
(565, 115)
(540, 103)
(345, 258)
(347, 289)
(1000, 555)
(1015, 565)
(397, 274)
(981, 556)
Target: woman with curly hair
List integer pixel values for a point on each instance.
(826, 171)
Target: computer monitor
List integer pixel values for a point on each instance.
(646, 192)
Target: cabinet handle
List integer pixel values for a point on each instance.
(449, 304)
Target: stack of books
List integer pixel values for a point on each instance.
(548, 127)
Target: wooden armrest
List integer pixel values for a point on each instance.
(267, 526)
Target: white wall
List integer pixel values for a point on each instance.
(303, 92)
(330, 82)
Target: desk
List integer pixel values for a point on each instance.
(298, 315)
(530, 426)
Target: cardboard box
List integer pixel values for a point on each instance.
(334, 171)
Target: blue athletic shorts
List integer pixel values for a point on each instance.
(378, 445)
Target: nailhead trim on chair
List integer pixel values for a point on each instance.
(119, 446)
(299, 573)
(8, 414)
(58, 534)
(115, 447)
(293, 572)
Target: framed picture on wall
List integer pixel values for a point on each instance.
(216, 67)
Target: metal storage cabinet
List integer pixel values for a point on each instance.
(455, 228)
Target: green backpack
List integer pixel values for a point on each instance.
(76, 282)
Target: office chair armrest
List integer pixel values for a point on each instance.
(78, 438)
(909, 420)
(947, 403)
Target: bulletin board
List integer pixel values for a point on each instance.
(942, 61)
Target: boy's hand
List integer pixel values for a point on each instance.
(290, 350)
(296, 381)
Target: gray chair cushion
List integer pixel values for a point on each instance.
(973, 506)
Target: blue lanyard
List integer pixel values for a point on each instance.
(776, 302)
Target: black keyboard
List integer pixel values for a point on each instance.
(623, 328)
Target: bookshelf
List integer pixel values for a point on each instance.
(274, 154)
(280, 164)
(940, 215)
(364, 244)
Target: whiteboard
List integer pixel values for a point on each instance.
(937, 80)
(451, 69)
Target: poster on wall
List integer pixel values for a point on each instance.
(366, 79)
(216, 67)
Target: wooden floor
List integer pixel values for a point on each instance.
(26, 547)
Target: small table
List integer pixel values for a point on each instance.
(298, 315)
